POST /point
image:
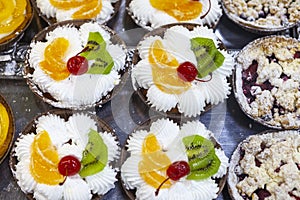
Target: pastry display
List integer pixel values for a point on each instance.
(76, 64)
(15, 17)
(266, 166)
(263, 16)
(7, 128)
(168, 161)
(56, 11)
(182, 69)
(65, 155)
(151, 14)
(267, 81)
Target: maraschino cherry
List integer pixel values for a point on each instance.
(175, 171)
(77, 65)
(188, 72)
(69, 166)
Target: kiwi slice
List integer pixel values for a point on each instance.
(95, 155)
(197, 146)
(95, 49)
(207, 55)
(199, 163)
(91, 169)
(207, 171)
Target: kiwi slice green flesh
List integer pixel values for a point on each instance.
(95, 155)
(197, 146)
(199, 163)
(95, 49)
(91, 169)
(207, 171)
(209, 60)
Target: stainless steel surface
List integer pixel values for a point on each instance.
(125, 111)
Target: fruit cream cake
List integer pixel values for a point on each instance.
(78, 66)
(266, 166)
(151, 14)
(6, 128)
(168, 161)
(57, 10)
(267, 81)
(14, 19)
(263, 15)
(65, 158)
(184, 69)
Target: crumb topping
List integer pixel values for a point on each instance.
(265, 12)
(271, 81)
(269, 168)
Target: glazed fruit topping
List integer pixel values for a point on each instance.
(202, 159)
(175, 171)
(297, 54)
(178, 170)
(77, 65)
(208, 57)
(182, 10)
(249, 77)
(94, 156)
(69, 166)
(187, 71)
(262, 193)
(4, 125)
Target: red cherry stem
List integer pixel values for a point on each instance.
(157, 190)
(209, 7)
(200, 80)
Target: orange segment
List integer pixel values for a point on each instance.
(154, 179)
(88, 11)
(182, 10)
(154, 163)
(53, 64)
(44, 160)
(87, 8)
(66, 5)
(20, 7)
(4, 124)
(7, 9)
(150, 144)
(11, 15)
(164, 70)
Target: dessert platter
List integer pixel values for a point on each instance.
(138, 99)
